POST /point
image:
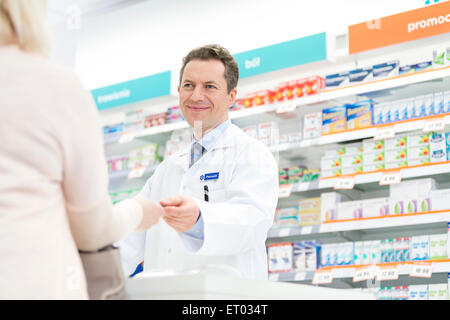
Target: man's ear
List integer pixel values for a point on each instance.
(233, 95)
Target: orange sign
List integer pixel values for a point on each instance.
(410, 25)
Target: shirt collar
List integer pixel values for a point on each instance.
(212, 136)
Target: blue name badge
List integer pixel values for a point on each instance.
(209, 176)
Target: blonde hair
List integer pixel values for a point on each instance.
(23, 22)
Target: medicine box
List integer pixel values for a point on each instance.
(334, 120)
(360, 75)
(419, 248)
(419, 105)
(329, 202)
(287, 216)
(349, 210)
(309, 212)
(438, 246)
(386, 69)
(438, 147)
(360, 115)
(438, 291)
(336, 80)
(396, 143)
(375, 207)
(439, 102)
(280, 257)
(415, 189)
(440, 199)
(418, 292)
(312, 125)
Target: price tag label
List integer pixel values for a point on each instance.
(286, 107)
(285, 191)
(434, 125)
(136, 172)
(385, 133)
(345, 183)
(387, 273)
(390, 177)
(364, 273)
(127, 137)
(323, 276)
(421, 270)
(284, 232)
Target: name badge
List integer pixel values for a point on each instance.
(209, 176)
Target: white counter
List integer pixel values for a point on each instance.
(207, 286)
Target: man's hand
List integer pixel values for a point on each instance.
(181, 213)
(151, 212)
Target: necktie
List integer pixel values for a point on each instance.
(197, 151)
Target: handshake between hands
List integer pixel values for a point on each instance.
(179, 212)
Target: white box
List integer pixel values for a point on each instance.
(268, 133)
(329, 202)
(439, 199)
(399, 142)
(418, 292)
(375, 207)
(418, 188)
(429, 105)
(447, 101)
(438, 291)
(252, 131)
(358, 252)
(419, 248)
(349, 210)
(312, 125)
(439, 102)
(328, 255)
(438, 246)
(419, 103)
(438, 147)
(375, 251)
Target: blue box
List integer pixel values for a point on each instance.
(386, 69)
(409, 68)
(337, 80)
(360, 114)
(421, 66)
(360, 75)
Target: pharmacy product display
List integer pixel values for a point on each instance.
(360, 123)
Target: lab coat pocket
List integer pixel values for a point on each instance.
(217, 195)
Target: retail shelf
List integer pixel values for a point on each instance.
(341, 272)
(325, 95)
(391, 221)
(374, 177)
(357, 134)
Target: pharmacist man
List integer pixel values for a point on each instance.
(220, 195)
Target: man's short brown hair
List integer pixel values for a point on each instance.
(215, 52)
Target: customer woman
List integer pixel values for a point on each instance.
(53, 179)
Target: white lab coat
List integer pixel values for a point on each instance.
(240, 211)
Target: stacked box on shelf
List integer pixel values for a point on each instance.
(411, 196)
(312, 125)
(154, 119)
(113, 131)
(286, 217)
(331, 162)
(334, 120)
(291, 175)
(309, 212)
(438, 147)
(173, 114)
(360, 114)
(418, 148)
(143, 156)
(306, 255)
(374, 158)
(328, 206)
(134, 120)
(352, 159)
(117, 163)
(310, 175)
(280, 257)
(395, 151)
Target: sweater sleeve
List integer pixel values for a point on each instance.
(94, 221)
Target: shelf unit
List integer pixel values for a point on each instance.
(398, 87)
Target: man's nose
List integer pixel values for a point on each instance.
(198, 94)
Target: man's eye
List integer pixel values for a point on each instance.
(210, 86)
(188, 85)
